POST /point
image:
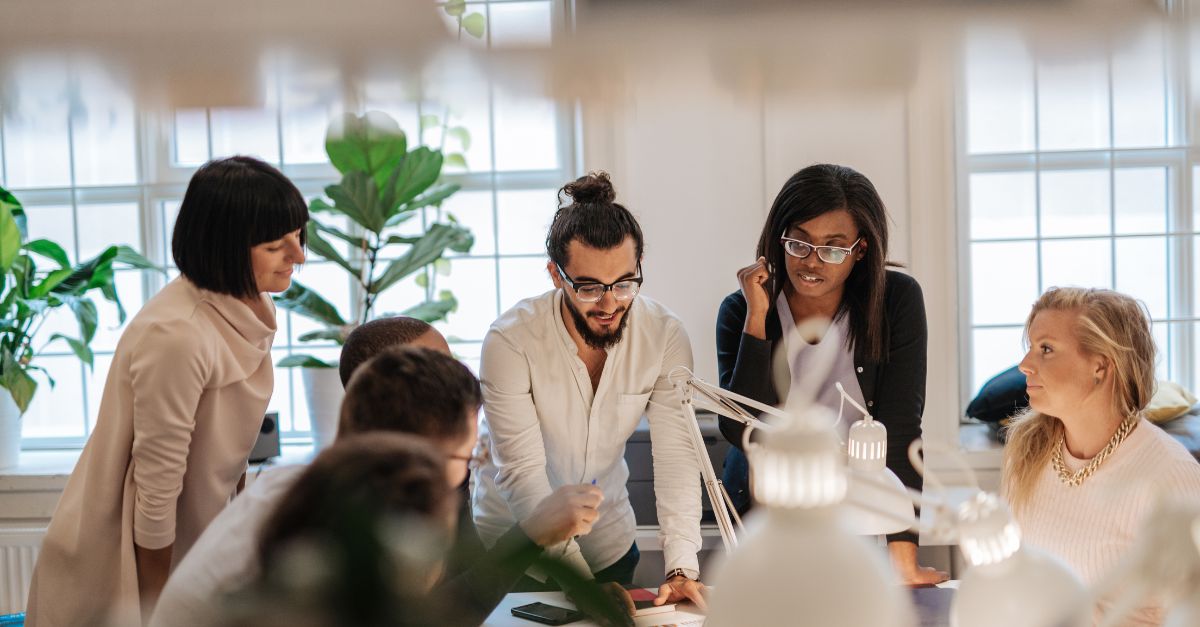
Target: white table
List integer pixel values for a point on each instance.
(684, 614)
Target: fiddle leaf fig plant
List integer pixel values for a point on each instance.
(384, 185)
(29, 293)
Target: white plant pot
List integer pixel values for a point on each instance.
(323, 391)
(10, 431)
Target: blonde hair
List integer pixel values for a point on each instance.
(1110, 325)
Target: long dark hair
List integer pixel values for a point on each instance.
(817, 190)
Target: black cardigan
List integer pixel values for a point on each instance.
(893, 389)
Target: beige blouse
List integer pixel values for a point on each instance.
(182, 406)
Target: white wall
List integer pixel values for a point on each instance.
(699, 163)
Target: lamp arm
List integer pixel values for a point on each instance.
(943, 519)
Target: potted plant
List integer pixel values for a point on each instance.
(383, 185)
(28, 295)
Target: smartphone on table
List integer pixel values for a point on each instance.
(547, 614)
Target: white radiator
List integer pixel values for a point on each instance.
(18, 552)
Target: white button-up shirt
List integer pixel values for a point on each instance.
(547, 429)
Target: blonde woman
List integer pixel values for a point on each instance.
(1082, 466)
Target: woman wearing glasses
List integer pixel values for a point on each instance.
(822, 256)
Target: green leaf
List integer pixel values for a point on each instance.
(419, 170)
(462, 135)
(110, 294)
(429, 121)
(455, 8)
(81, 349)
(50, 282)
(442, 267)
(474, 24)
(358, 198)
(372, 143)
(402, 239)
(86, 314)
(437, 239)
(10, 237)
(400, 218)
(303, 361)
(49, 250)
(456, 160)
(134, 259)
(336, 334)
(92, 273)
(355, 242)
(15, 379)
(320, 246)
(301, 300)
(318, 205)
(422, 280)
(433, 196)
(15, 208)
(432, 310)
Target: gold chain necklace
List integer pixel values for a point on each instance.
(1075, 478)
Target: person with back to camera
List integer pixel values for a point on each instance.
(1082, 466)
(822, 255)
(182, 405)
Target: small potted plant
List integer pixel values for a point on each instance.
(383, 185)
(28, 294)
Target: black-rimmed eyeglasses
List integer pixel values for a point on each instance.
(593, 291)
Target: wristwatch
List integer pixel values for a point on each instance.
(678, 572)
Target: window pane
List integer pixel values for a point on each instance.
(526, 132)
(522, 278)
(281, 396)
(466, 102)
(403, 295)
(101, 226)
(1003, 204)
(473, 282)
(999, 94)
(469, 353)
(170, 209)
(1196, 199)
(55, 223)
(1139, 91)
(1072, 105)
(104, 132)
(1077, 263)
(397, 100)
(994, 351)
(301, 421)
(1075, 202)
(191, 137)
(1142, 271)
(250, 132)
(524, 218)
(129, 288)
(58, 412)
(525, 24)
(1141, 200)
(304, 132)
(474, 211)
(37, 148)
(328, 280)
(1004, 282)
(1163, 332)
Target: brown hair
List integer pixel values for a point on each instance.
(593, 217)
(370, 339)
(411, 389)
(1109, 324)
(817, 190)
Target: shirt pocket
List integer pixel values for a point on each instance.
(630, 408)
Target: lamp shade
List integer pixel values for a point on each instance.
(798, 562)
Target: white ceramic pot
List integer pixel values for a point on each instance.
(10, 431)
(323, 391)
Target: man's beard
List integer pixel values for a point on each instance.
(600, 341)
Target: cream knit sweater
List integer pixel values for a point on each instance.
(1091, 526)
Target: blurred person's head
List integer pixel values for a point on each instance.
(370, 339)
(419, 391)
(595, 247)
(1090, 362)
(838, 209)
(240, 229)
(368, 521)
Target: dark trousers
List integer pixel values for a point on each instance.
(621, 571)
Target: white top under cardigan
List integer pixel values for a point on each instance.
(1092, 526)
(547, 429)
(182, 406)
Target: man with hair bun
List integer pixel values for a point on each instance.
(567, 377)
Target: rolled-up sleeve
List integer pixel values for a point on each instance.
(676, 475)
(517, 450)
(168, 370)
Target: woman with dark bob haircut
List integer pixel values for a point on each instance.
(823, 255)
(182, 405)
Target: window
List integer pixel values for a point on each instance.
(92, 170)
(1075, 170)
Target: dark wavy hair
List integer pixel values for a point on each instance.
(820, 189)
(230, 206)
(592, 216)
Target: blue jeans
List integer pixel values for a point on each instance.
(621, 571)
